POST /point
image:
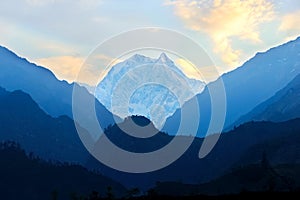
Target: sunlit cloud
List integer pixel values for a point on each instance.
(204, 73)
(98, 66)
(225, 21)
(64, 67)
(290, 23)
(231, 31)
(290, 38)
(211, 73)
(91, 69)
(188, 68)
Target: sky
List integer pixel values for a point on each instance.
(60, 34)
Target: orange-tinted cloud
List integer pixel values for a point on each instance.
(290, 22)
(205, 73)
(64, 67)
(187, 68)
(224, 21)
(68, 67)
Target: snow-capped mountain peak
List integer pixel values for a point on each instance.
(163, 58)
(153, 100)
(140, 58)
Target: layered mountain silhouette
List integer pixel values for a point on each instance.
(52, 95)
(284, 105)
(247, 86)
(230, 151)
(36, 112)
(140, 126)
(23, 121)
(244, 180)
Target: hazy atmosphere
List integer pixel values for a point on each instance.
(142, 100)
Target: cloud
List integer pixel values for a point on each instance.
(97, 66)
(64, 67)
(68, 67)
(225, 21)
(205, 73)
(290, 22)
(188, 68)
(67, 20)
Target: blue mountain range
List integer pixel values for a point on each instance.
(247, 86)
(52, 95)
(36, 111)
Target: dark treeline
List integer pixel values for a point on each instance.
(25, 176)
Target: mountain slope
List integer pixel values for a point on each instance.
(284, 105)
(52, 95)
(270, 165)
(249, 85)
(26, 177)
(22, 120)
(56, 139)
(242, 181)
(278, 150)
(157, 99)
(189, 168)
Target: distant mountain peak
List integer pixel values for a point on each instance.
(140, 58)
(164, 58)
(153, 101)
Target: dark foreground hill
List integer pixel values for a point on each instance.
(242, 146)
(28, 177)
(251, 178)
(56, 138)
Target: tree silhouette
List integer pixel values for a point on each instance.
(109, 193)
